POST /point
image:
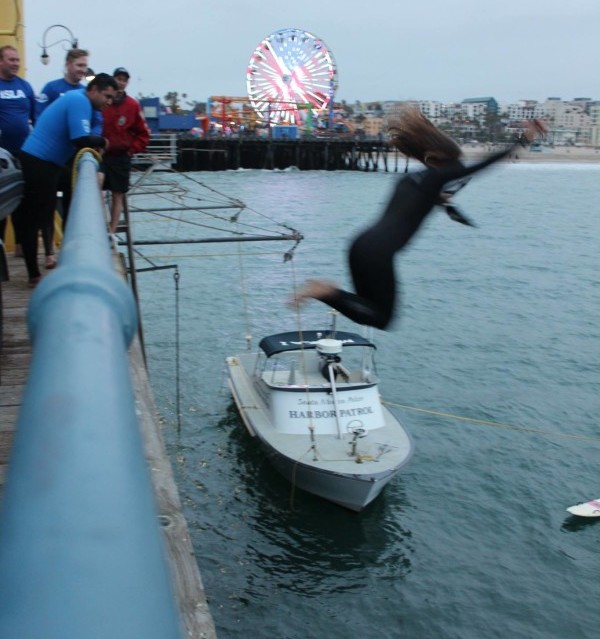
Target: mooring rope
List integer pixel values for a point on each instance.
(176, 277)
(311, 426)
(487, 422)
(162, 215)
(226, 201)
(248, 334)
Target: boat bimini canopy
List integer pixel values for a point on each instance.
(296, 340)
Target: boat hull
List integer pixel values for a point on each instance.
(354, 492)
(344, 469)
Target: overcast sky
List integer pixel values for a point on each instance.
(442, 50)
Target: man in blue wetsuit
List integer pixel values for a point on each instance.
(17, 106)
(76, 69)
(63, 128)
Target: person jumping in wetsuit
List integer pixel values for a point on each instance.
(372, 253)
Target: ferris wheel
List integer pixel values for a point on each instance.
(291, 77)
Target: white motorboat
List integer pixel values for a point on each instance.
(312, 401)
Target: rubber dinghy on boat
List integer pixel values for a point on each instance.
(11, 184)
(312, 401)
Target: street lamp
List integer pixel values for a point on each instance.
(89, 74)
(72, 40)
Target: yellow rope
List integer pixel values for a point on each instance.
(486, 422)
(76, 162)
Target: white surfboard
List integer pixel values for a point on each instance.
(587, 509)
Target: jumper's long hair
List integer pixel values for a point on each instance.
(417, 137)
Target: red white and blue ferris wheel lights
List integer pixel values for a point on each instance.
(291, 76)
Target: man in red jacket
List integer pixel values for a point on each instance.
(127, 133)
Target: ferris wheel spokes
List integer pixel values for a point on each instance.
(291, 67)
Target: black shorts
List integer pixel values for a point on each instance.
(117, 169)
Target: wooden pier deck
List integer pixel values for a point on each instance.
(15, 357)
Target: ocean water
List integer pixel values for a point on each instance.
(497, 324)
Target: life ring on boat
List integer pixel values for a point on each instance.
(358, 429)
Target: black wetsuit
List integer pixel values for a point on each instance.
(372, 253)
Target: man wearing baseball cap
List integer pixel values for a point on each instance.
(63, 128)
(121, 71)
(127, 133)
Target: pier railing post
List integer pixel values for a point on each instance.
(81, 552)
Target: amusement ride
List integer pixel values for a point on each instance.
(291, 78)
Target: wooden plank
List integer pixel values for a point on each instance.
(11, 395)
(8, 416)
(15, 355)
(187, 581)
(6, 440)
(15, 359)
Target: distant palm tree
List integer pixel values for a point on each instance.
(172, 99)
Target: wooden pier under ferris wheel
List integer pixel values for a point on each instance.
(312, 153)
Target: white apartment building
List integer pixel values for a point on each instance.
(574, 121)
(452, 110)
(522, 110)
(595, 124)
(478, 108)
(568, 121)
(431, 109)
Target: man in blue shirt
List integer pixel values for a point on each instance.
(17, 106)
(76, 69)
(76, 66)
(17, 102)
(63, 128)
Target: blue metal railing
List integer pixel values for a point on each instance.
(81, 552)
